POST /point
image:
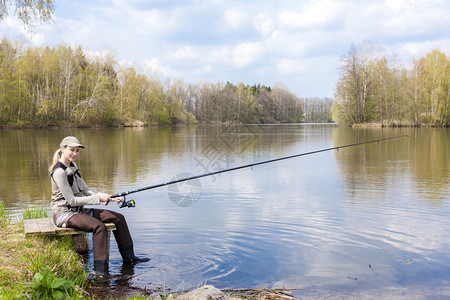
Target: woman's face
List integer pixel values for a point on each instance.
(69, 154)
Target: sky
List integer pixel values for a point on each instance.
(298, 43)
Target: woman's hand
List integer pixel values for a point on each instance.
(107, 198)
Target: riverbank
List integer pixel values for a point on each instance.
(140, 124)
(395, 124)
(205, 292)
(45, 267)
(24, 260)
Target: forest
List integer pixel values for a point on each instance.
(63, 86)
(377, 89)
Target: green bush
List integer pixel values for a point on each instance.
(164, 118)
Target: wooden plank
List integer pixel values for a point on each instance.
(67, 231)
(45, 226)
(31, 227)
(37, 226)
(110, 226)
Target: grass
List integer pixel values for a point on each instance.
(35, 212)
(21, 258)
(39, 267)
(4, 219)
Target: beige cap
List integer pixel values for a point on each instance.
(70, 141)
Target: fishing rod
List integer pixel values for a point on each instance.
(130, 203)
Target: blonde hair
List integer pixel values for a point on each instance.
(56, 158)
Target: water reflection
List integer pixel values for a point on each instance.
(424, 156)
(361, 219)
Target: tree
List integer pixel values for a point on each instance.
(348, 102)
(437, 85)
(28, 10)
(43, 86)
(395, 89)
(382, 75)
(373, 87)
(8, 81)
(174, 104)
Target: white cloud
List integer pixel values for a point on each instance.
(152, 22)
(261, 42)
(417, 49)
(12, 26)
(235, 18)
(314, 15)
(264, 24)
(397, 5)
(219, 55)
(311, 65)
(245, 54)
(186, 52)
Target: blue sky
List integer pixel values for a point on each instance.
(294, 42)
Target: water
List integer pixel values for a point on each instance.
(365, 222)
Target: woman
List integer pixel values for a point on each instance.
(69, 195)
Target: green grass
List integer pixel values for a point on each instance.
(57, 255)
(39, 267)
(4, 219)
(24, 260)
(35, 212)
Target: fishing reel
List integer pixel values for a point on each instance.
(127, 203)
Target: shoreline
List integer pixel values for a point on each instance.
(140, 124)
(379, 125)
(23, 257)
(120, 292)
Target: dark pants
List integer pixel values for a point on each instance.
(95, 224)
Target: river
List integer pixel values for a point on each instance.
(366, 221)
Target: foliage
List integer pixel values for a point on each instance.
(47, 286)
(218, 103)
(65, 263)
(26, 256)
(373, 88)
(61, 86)
(27, 10)
(58, 253)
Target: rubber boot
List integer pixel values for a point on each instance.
(101, 269)
(128, 256)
